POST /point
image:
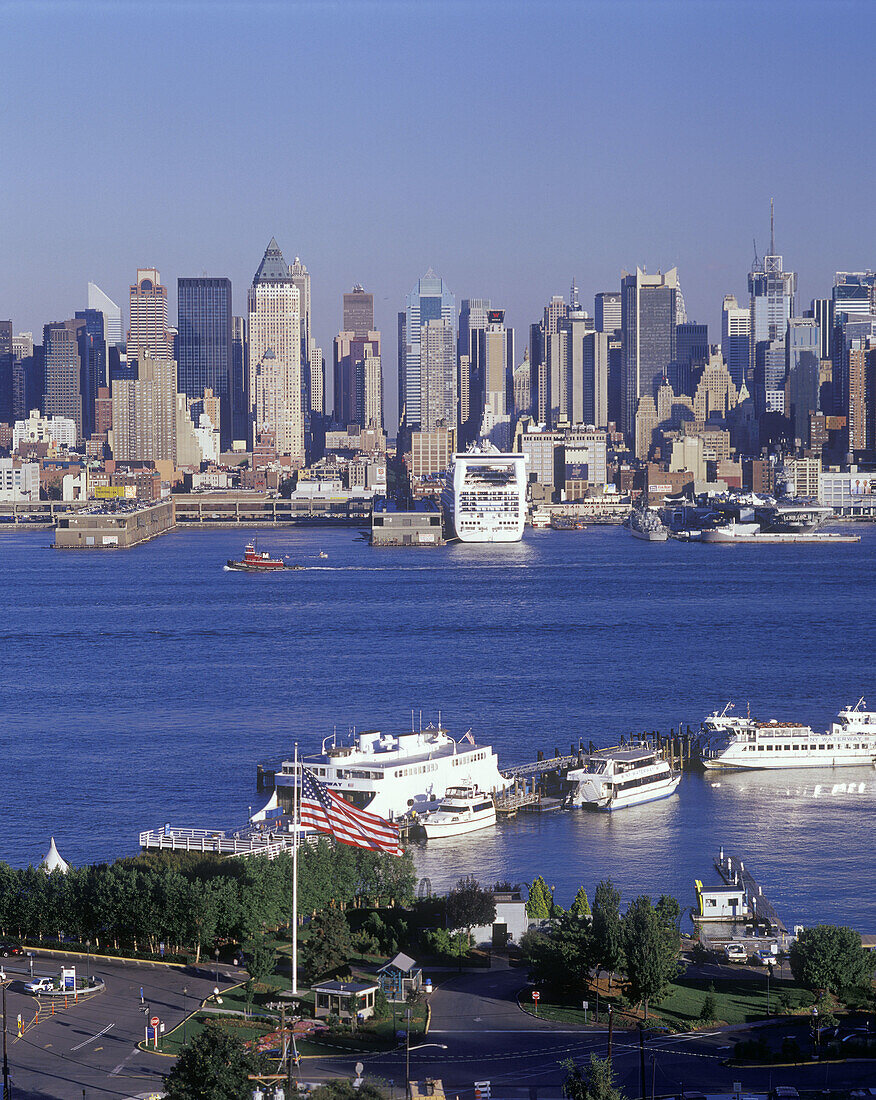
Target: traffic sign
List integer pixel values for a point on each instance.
(154, 1021)
(482, 1090)
(535, 995)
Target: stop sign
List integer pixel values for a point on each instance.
(154, 1021)
(535, 994)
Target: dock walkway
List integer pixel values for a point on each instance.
(248, 842)
(734, 873)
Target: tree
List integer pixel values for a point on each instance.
(651, 952)
(560, 959)
(341, 1089)
(469, 905)
(608, 949)
(581, 906)
(830, 958)
(262, 961)
(594, 1081)
(213, 1066)
(709, 1010)
(669, 911)
(540, 901)
(328, 946)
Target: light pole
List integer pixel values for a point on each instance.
(185, 1013)
(216, 953)
(815, 1028)
(769, 975)
(88, 961)
(409, 1048)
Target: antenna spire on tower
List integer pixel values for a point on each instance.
(772, 230)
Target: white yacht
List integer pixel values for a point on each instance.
(485, 500)
(463, 810)
(614, 778)
(750, 743)
(393, 775)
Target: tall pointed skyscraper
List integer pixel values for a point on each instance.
(771, 290)
(274, 334)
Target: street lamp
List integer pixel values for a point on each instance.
(88, 961)
(815, 1028)
(769, 975)
(216, 953)
(409, 1048)
(186, 1012)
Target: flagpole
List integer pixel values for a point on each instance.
(296, 816)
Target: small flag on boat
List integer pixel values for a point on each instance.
(467, 737)
(327, 812)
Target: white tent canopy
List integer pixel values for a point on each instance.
(53, 861)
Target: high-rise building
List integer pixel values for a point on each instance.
(523, 387)
(111, 312)
(547, 351)
(648, 323)
(95, 365)
(862, 396)
(7, 361)
(274, 337)
(607, 311)
(852, 292)
(772, 291)
(437, 374)
(351, 352)
(301, 279)
(317, 379)
(595, 366)
(430, 300)
(369, 393)
(470, 369)
(736, 338)
(691, 351)
(239, 393)
(23, 389)
(63, 342)
(144, 413)
(148, 329)
(821, 311)
(803, 373)
(358, 312)
(496, 356)
(205, 346)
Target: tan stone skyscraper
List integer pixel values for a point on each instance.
(148, 330)
(274, 312)
(145, 412)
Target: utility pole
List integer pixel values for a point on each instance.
(642, 1061)
(7, 1094)
(610, 1028)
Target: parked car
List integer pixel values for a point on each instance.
(764, 956)
(39, 985)
(735, 953)
(7, 949)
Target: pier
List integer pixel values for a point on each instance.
(245, 842)
(734, 873)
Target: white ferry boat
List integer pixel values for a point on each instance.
(462, 810)
(394, 775)
(614, 778)
(750, 743)
(485, 500)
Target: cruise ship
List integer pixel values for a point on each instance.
(752, 744)
(485, 498)
(614, 778)
(394, 775)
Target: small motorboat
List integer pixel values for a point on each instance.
(255, 561)
(323, 554)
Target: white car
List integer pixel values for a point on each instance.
(736, 953)
(40, 985)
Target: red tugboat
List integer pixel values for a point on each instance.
(255, 561)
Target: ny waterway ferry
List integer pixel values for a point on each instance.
(748, 743)
(614, 778)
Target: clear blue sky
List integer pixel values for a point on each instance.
(508, 145)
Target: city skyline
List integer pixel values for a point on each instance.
(671, 173)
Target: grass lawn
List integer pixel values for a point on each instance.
(173, 1041)
(737, 1001)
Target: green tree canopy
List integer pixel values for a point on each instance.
(608, 946)
(329, 946)
(581, 906)
(651, 951)
(560, 959)
(830, 958)
(262, 960)
(592, 1081)
(213, 1066)
(342, 1089)
(540, 901)
(469, 905)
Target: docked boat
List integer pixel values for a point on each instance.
(752, 532)
(396, 775)
(485, 498)
(612, 779)
(562, 522)
(644, 523)
(748, 743)
(541, 517)
(463, 810)
(256, 561)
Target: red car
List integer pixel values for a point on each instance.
(7, 949)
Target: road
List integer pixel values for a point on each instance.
(479, 1033)
(90, 1049)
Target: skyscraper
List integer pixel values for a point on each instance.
(7, 360)
(111, 312)
(206, 345)
(547, 351)
(437, 374)
(803, 367)
(62, 341)
(358, 311)
(496, 355)
(470, 369)
(301, 279)
(274, 333)
(148, 329)
(430, 300)
(350, 354)
(607, 311)
(736, 339)
(648, 320)
(771, 291)
(145, 410)
(23, 389)
(691, 350)
(95, 365)
(239, 399)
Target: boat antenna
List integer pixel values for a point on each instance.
(748, 709)
(421, 720)
(412, 719)
(334, 737)
(439, 719)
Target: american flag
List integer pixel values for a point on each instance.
(324, 810)
(467, 737)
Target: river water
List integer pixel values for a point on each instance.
(144, 686)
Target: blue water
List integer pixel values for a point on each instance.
(144, 686)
